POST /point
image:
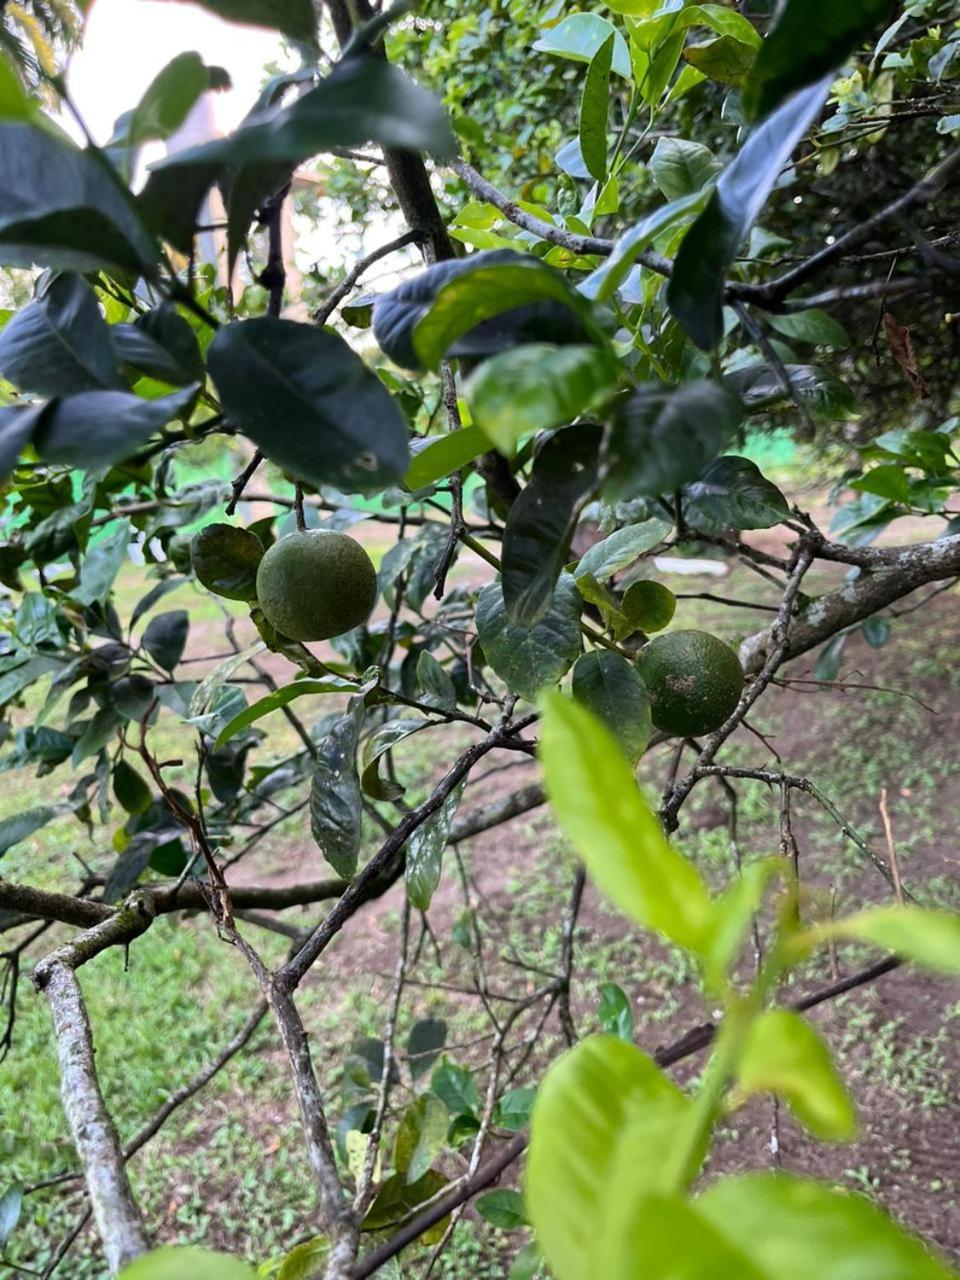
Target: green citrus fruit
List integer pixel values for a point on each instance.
(694, 681)
(225, 560)
(316, 584)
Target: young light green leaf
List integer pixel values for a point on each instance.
(595, 108)
(530, 659)
(696, 289)
(580, 35)
(535, 387)
(444, 455)
(615, 1013)
(811, 38)
(784, 1055)
(542, 521)
(175, 1263)
(599, 806)
(281, 698)
(425, 851)
(306, 1260)
(602, 1108)
(927, 937)
(794, 1229)
(609, 686)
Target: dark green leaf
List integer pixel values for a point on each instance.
(502, 1209)
(814, 326)
(435, 684)
(663, 437)
(681, 168)
(102, 563)
(536, 387)
(10, 1203)
(16, 431)
(823, 395)
(513, 1109)
(225, 560)
(132, 863)
(811, 38)
(60, 343)
(421, 1137)
(397, 1199)
(155, 594)
(424, 1043)
(647, 606)
(733, 493)
(130, 788)
(456, 1087)
(162, 345)
(696, 289)
(165, 637)
(530, 659)
(542, 520)
(61, 209)
(594, 109)
(513, 298)
(310, 403)
(615, 1013)
(831, 656)
(335, 808)
(608, 685)
(13, 830)
(425, 851)
(725, 60)
(99, 428)
(170, 201)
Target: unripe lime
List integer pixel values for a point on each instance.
(225, 560)
(316, 584)
(694, 681)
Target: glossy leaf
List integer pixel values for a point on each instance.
(823, 395)
(335, 807)
(725, 60)
(793, 1229)
(602, 1108)
(540, 308)
(615, 1013)
(603, 283)
(599, 806)
(281, 698)
(536, 387)
(99, 428)
(165, 637)
(376, 747)
(61, 209)
(444, 455)
(663, 438)
(814, 326)
(622, 548)
(681, 168)
(530, 659)
(310, 403)
(225, 559)
(436, 687)
(425, 851)
(60, 343)
(811, 38)
(609, 687)
(580, 35)
(421, 1136)
(173, 1262)
(784, 1055)
(696, 289)
(502, 1208)
(594, 109)
(733, 493)
(542, 520)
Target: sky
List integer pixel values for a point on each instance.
(128, 41)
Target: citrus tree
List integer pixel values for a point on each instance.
(560, 393)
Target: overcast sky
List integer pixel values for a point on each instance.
(128, 41)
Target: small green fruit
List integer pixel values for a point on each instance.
(225, 560)
(694, 681)
(316, 584)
